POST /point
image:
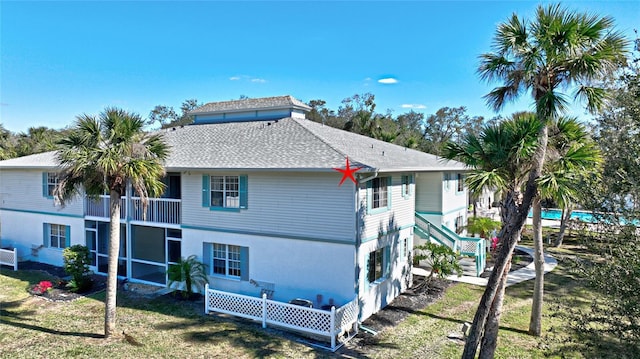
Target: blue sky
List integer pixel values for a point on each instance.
(61, 59)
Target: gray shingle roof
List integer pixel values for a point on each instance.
(290, 144)
(251, 104)
(286, 144)
(40, 160)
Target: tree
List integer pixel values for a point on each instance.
(571, 157)
(558, 50)
(107, 154)
(167, 117)
(448, 124)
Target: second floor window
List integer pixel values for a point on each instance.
(460, 182)
(49, 183)
(379, 193)
(225, 191)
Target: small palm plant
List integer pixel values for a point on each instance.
(191, 272)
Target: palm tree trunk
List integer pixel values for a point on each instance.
(516, 213)
(535, 323)
(564, 221)
(112, 274)
(490, 337)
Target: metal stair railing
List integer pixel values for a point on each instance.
(469, 246)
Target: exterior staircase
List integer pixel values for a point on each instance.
(466, 246)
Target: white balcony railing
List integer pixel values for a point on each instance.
(159, 210)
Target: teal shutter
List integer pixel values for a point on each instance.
(389, 194)
(45, 184)
(206, 191)
(244, 263)
(387, 261)
(45, 235)
(244, 192)
(207, 252)
(67, 236)
(366, 271)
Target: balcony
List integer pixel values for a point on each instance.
(159, 210)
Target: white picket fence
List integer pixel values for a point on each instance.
(9, 257)
(327, 324)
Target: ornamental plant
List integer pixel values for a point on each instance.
(42, 287)
(442, 259)
(76, 264)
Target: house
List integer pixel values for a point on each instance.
(253, 192)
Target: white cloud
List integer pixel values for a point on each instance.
(257, 80)
(234, 78)
(388, 80)
(413, 105)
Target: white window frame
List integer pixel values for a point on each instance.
(229, 255)
(447, 180)
(227, 189)
(460, 183)
(52, 183)
(381, 192)
(380, 257)
(59, 232)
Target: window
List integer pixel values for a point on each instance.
(406, 186)
(224, 192)
(378, 265)
(56, 235)
(404, 247)
(227, 260)
(379, 194)
(447, 178)
(459, 224)
(460, 182)
(49, 183)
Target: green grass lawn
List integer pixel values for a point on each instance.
(32, 327)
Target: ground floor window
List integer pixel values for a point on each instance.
(227, 260)
(56, 235)
(378, 264)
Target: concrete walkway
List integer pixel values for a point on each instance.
(514, 277)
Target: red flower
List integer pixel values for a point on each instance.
(42, 287)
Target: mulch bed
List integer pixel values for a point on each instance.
(59, 292)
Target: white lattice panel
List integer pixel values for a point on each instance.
(468, 247)
(298, 317)
(7, 257)
(241, 305)
(346, 316)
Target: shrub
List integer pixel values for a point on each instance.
(76, 264)
(191, 272)
(442, 259)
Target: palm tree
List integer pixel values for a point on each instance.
(559, 50)
(106, 155)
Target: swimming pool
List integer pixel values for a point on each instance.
(584, 216)
(556, 214)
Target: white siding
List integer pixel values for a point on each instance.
(375, 296)
(296, 268)
(22, 190)
(24, 231)
(429, 192)
(452, 200)
(400, 215)
(294, 204)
